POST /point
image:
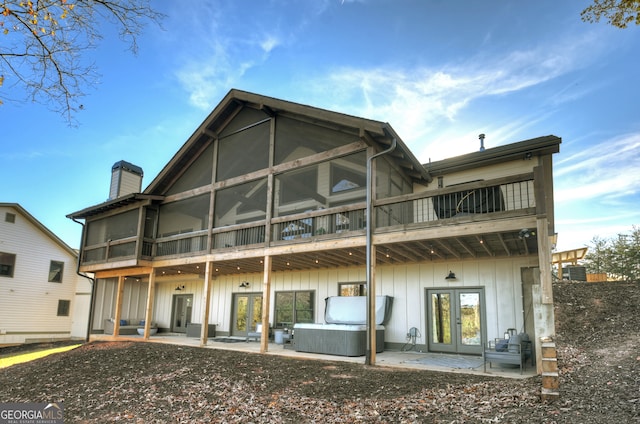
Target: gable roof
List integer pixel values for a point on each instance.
(375, 133)
(22, 211)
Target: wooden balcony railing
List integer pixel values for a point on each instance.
(318, 223)
(472, 199)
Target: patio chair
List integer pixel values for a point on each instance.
(255, 334)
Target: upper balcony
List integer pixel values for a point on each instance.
(478, 219)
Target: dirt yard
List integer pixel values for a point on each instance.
(598, 341)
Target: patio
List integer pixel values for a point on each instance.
(464, 364)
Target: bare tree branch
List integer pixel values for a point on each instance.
(43, 42)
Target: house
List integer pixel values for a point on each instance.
(42, 297)
(262, 215)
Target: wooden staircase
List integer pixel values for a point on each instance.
(550, 373)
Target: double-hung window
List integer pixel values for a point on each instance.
(7, 264)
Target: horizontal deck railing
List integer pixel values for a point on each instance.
(238, 235)
(479, 198)
(183, 243)
(318, 223)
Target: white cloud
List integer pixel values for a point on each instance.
(606, 171)
(420, 102)
(269, 43)
(217, 57)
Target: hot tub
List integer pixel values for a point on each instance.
(345, 330)
(335, 339)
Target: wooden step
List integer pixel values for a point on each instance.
(550, 380)
(549, 395)
(549, 350)
(549, 365)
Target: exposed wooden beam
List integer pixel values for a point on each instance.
(460, 229)
(466, 247)
(210, 133)
(268, 110)
(448, 249)
(484, 245)
(124, 272)
(504, 244)
(526, 245)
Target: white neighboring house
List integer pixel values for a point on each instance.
(42, 298)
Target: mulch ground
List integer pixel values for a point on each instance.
(598, 347)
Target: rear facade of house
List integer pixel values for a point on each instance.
(42, 298)
(262, 215)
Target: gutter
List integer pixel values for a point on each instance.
(371, 297)
(92, 281)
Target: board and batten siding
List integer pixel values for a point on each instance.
(406, 283)
(28, 301)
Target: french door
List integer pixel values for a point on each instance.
(247, 312)
(455, 320)
(181, 313)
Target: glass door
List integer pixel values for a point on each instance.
(247, 312)
(455, 320)
(181, 313)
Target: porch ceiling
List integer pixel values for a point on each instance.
(493, 245)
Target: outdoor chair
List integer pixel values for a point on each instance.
(255, 334)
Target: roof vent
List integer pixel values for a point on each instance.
(126, 178)
(481, 137)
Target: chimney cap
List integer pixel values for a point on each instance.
(127, 166)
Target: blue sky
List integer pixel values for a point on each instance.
(440, 72)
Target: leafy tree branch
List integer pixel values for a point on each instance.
(618, 13)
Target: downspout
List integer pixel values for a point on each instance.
(371, 298)
(92, 281)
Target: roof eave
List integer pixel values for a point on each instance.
(112, 204)
(539, 146)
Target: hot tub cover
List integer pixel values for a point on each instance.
(353, 310)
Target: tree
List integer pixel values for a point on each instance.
(618, 13)
(618, 257)
(42, 44)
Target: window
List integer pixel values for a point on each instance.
(352, 289)
(63, 308)
(55, 271)
(298, 186)
(294, 307)
(7, 264)
(10, 217)
(344, 179)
